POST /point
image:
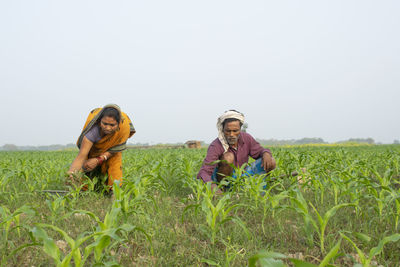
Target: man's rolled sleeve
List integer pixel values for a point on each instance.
(256, 150)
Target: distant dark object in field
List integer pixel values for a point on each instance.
(193, 144)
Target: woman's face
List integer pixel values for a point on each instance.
(108, 125)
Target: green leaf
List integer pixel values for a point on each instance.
(268, 262)
(331, 254)
(362, 237)
(300, 263)
(49, 246)
(13, 252)
(241, 224)
(101, 244)
(66, 261)
(267, 258)
(359, 251)
(210, 262)
(378, 249)
(90, 214)
(333, 211)
(67, 238)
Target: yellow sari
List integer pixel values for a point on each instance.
(114, 143)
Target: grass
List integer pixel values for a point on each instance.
(171, 222)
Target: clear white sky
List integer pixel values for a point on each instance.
(328, 69)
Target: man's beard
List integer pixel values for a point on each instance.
(232, 140)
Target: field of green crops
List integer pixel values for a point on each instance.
(342, 209)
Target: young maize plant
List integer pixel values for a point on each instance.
(366, 260)
(133, 195)
(219, 214)
(397, 211)
(56, 207)
(196, 186)
(319, 225)
(50, 247)
(11, 221)
(109, 229)
(107, 234)
(271, 202)
(253, 188)
(230, 254)
(333, 177)
(323, 221)
(273, 259)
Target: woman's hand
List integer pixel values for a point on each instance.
(90, 164)
(74, 178)
(82, 156)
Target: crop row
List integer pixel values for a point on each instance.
(342, 208)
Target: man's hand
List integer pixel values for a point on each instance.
(90, 164)
(268, 162)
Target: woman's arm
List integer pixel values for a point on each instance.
(92, 163)
(82, 156)
(107, 155)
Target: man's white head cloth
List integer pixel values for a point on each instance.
(230, 114)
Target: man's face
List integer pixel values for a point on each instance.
(231, 132)
(108, 125)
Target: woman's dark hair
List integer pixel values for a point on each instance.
(111, 112)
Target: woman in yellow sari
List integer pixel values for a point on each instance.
(101, 143)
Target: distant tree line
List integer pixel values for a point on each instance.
(317, 141)
(291, 141)
(12, 147)
(266, 142)
(359, 140)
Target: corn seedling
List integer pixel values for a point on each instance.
(217, 215)
(320, 224)
(366, 259)
(273, 259)
(9, 221)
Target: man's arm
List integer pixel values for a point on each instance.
(213, 154)
(268, 162)
(257, 151)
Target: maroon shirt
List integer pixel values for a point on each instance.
(247, 146)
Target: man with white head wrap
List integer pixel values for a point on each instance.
(234, 147)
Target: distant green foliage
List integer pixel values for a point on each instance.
(306, 140)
